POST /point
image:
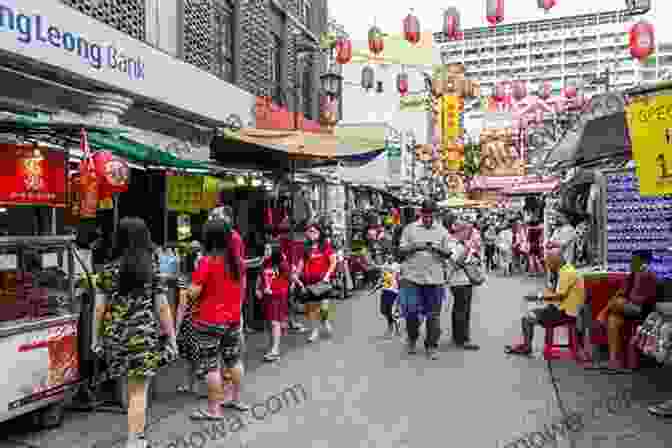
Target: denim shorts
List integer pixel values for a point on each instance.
(418, 301)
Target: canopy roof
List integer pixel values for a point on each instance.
(101, 138)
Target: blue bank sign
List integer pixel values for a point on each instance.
(35, 29)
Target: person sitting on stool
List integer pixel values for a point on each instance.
(562, 303)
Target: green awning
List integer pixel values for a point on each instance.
(140, 153)
(100, 138)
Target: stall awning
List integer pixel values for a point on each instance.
(271, 150)
(541, 186)
(597, 140)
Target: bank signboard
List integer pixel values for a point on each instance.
(51, 33)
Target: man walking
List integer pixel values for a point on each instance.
(424, 246)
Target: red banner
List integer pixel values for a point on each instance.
(87, 181)
(32, 176)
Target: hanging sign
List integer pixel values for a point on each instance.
(112, 173)
(185, 193)
(650, 125)
(88, 183)
(32, 176)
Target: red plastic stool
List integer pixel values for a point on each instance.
(561, 351)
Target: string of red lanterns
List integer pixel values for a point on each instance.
(642, 40)
(494, 11)
(411, 27)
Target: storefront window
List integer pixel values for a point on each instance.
(224, 29)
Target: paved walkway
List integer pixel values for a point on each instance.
(364, 391)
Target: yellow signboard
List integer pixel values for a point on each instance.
(185, 193)
(650, 124)
(450, 118)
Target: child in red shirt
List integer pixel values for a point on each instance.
(273, 289)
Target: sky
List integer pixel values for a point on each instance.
(357, 15)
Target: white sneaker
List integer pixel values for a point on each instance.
(314, 335)
(328, 328)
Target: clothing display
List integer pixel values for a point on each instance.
(637, 223)
(654, 337)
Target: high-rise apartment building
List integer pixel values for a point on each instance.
(563, 51)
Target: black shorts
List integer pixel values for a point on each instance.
(548, 315)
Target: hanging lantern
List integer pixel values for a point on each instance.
(546, 5)
(494, 11)
(570, 92)
(368, 78)
(451, 23)
(519, 90)
(411, 28)
(642, 40)
(343, 51)
(545, 90)
(402, 83)
(376, 40)
(112, 173)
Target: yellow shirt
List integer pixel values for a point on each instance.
(570, 287)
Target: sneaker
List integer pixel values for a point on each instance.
(314, 335)
(432, 354)
(412, 350)
(237, 405)
(328, 328)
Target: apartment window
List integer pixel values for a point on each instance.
(306, 13)
(127, 16)
(276, 68)
(224, 23)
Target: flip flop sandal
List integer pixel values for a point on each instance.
(202, 414)
(511, 350)
(270, 357)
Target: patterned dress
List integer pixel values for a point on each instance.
(131, 336)
(186, 338)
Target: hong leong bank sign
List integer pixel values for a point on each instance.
(35, 29)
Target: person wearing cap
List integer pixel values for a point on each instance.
(424, 247)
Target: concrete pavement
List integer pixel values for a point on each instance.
(364, 391)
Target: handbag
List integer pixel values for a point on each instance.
(474, 273)
(319, 290)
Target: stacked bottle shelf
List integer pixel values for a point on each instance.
(637, 223)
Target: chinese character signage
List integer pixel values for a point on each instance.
(32, 176)
(650, 125)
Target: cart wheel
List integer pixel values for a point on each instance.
(51, 416)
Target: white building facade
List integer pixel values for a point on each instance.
(381, 106)
(564, 51)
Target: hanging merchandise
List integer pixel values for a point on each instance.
(112, 174)
(368, 78)
(494, 11)
(411, 28)
(546, 5)
(637, 223)
(500, 92)
(376, 44)
(642, 40)
(402, 83)
(183, 227)
(343, 51)
(185, 193)
(211, 188)
(451, 23)
(88, 182)
(569, 92)
(545, 90)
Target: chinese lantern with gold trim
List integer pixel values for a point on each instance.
(376, 44)
(494, 11)
(451, 23)
(343, 51)
(402, 83)
(411, 28)
(642, 40)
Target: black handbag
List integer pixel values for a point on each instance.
(318, 291)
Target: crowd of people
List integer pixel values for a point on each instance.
(434, 258)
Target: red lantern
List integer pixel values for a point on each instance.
(546, 5)
(402, 83)
(519, 90)
(112, 173)
(343, 51)
(376, 40)
(570, 92)
(642, 40)
(494, 11)
(412, 29)
(451, 23)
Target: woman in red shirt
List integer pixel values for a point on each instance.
(318, 265)
(216, 289)
(273, 289)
